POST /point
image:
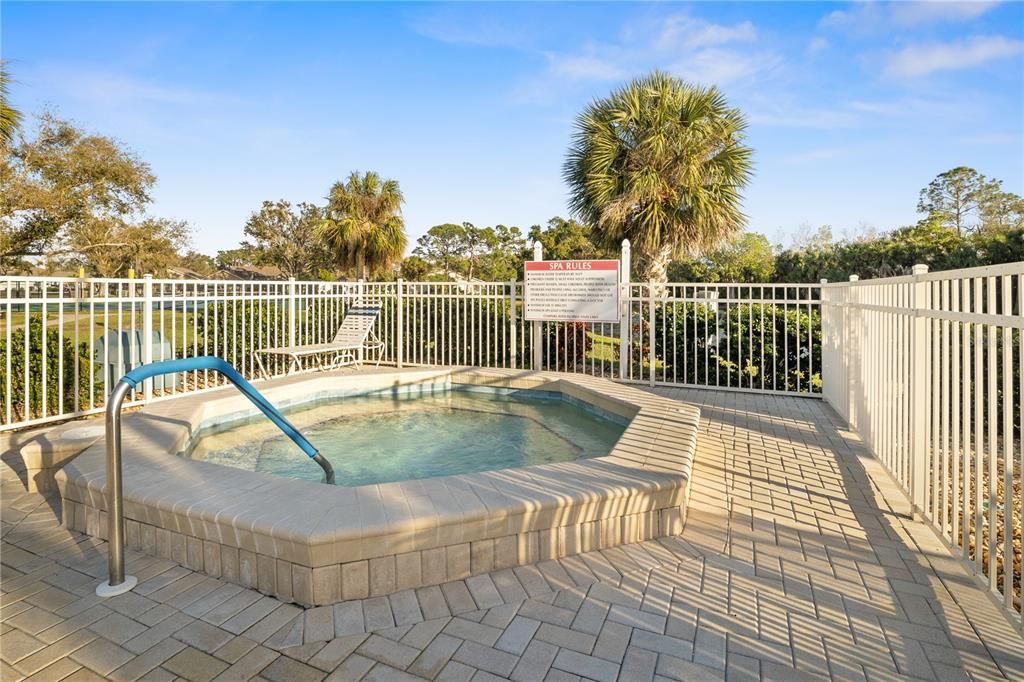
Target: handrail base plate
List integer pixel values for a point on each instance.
(105, 589)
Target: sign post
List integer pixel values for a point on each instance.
(538, 255)
(625, 332)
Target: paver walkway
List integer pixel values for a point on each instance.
(798, 560)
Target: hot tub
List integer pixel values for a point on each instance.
(383, 437)
(548, 465)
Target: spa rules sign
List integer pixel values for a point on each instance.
(572, 290)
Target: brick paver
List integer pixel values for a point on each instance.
(799, 559)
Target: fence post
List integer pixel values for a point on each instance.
(400, 322)
(830, 333)
(851, 361)
(624, 331)
(538, 357)
(919, 362)
(359, 301)
(80, 295)
(650, 331)
(513, 323)
(292, 323)
(147, 331)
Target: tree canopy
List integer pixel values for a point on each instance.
(288, 238)
(442, 246)
(415, 269)
(150, 245)
(750, 257)
(747, 257)
(566, 239)
(662, 163)
(363, 224)
(489, 253)
(82, 197)
(965, 200)
(969, 220)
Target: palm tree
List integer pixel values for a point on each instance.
(363, 225)
(660, 162)
(10, 118)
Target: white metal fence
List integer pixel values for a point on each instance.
(730, 336)
(927, 368)
(751, 337)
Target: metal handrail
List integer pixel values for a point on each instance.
(118, 582)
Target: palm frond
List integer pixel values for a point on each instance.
(660, 162)
(363, 221)
(10, 118)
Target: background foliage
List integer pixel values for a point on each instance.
(703, 345)
(56, 401)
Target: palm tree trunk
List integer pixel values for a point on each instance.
(361, 264)
(657, 267)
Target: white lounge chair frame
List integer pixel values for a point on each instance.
(355, 336)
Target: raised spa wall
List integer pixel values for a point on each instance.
(315, 544)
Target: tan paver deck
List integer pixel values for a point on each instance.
(798, 560)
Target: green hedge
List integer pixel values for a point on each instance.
(734, 343)
(469, 331)
(787, 337)
(56, 401)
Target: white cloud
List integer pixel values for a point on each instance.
(863, 17)
(870, 17)
(724, 67)
(108, 89)
(860, 113)
(880, 108)
(688, 46)
(817, 44)
(925, 58)
(802, 117)
(464, 24)
(933, 11)
(585, 68)
(686, 32)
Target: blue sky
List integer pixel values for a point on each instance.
(852, 107)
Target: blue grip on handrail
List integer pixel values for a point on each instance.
(143, 372)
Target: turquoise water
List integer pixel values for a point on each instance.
(376, 439)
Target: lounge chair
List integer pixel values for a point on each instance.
(354, 336)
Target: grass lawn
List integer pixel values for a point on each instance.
(178, 321)
(604, 348)
(98, 326)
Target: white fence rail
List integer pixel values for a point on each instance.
(927, 368)
(762, 338)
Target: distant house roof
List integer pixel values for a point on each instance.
(178, 272)
(251, 272)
